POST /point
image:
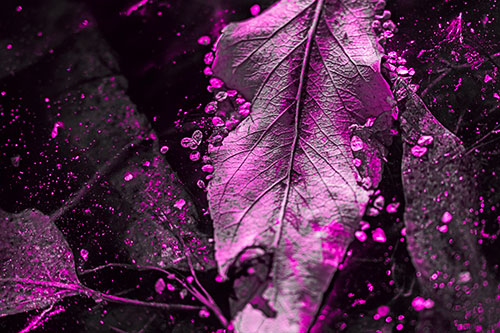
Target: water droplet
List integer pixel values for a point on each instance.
(197, 137)
(164, 149)
(383, 310)
(194, 156)
(378, 235)
(208, 168)
(418, 151)
(209, 58)
(244, 112)
(201, 184)
(443, 228)
(180, 203)
(392, 207)
(231, 93)
(360, 235)
(372, 212)
(255, 10)
(357, 162)
(402, 70)
(425, 140)
(204, 40)
(216, 139)
(211, 107)
(160, 286)
(170, 287)
(218, 122)
(379, 202)
(206, 159)
(366, 183)
(356, 143)
(464, 277)
(207, 71)
(204, 313)
(128, 176)
(186, 142)
(216, 83)
(84, 254)
(240, 100)
(447, 217)
(220, 96)
(189, 279)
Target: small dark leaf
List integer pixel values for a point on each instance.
(37, 267)
(441, 196)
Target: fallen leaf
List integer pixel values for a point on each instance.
(103, 128)
(439, 225)
(37, 268)
(284, 179)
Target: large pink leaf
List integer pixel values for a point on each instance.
(285, 180)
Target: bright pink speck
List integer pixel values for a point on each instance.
(418, 303)
(418, 151)
(19, 8)
(383, 310)
(180, 203)
(360, 235)
(204, 40)
(443, 228)
(159, 286)
(447, 217)
(189, 279)
(9, 46)
(255, 10)
(487, 78)
(378, 235)
(399, 327)
(128, 176)
(218, 278)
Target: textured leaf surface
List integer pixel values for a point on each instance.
(285, 180)
(103, 125)
(439, 224)
(36, 264)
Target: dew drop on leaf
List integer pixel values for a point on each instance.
(211, 107)
(84, 254)
(425, 140)
(379, 202)
(204, 40)
(186, 142)
(128, 176)
(194, 156)
(357, 162)
(360, 235)
(378, 235)
(356, 143)
(180, 203)
(221, 96)
(160, 286)
(216, 83)
(447, 217)
(418, 151)
(197, 137)
(208, 168)
(255, 10)
(164, 149)
(218, 122)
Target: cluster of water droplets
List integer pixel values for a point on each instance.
(227, 109)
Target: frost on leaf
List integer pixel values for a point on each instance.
(36, 264)
(284, 179)
(439, 224)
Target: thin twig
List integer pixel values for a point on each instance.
(436, 80)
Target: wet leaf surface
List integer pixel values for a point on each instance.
(284, 179)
